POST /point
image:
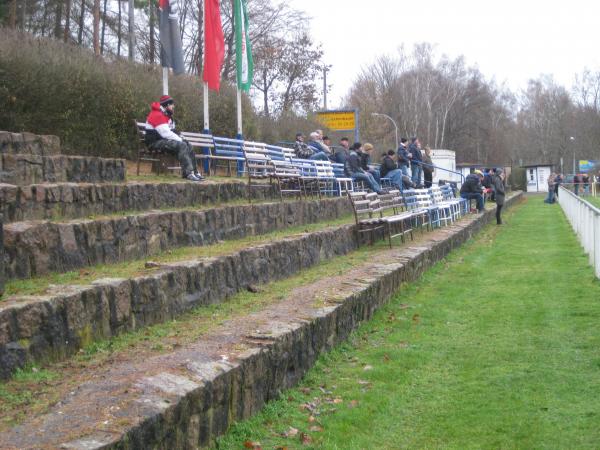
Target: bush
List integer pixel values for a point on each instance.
(47, 87)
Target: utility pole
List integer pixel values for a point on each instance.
(325, 88)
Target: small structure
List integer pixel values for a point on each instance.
(537, 177)
(445, 159)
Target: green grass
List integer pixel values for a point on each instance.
(594, 201)
(130, 269)
(31, 391)
(498, 346)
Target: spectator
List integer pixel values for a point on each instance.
(327, 142)
(389, 169)
(557, 182)
(354, 170)
(403, 157)
(341, 154)
(576, 182)
(302, 150)
(472, 189)
(320, 150)
(585, 179)
(427, 167)
(365, 160)
(499, 193)
(414, 149)
(161, 136)
(551, 181)
(487, 182)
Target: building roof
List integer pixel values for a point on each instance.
(538, 165)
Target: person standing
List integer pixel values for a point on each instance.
(557, 182)
(414, 149)
(403, 157)
(427, 167)
(499, 193)
(161, 136)
(576, 182)
(551, 181)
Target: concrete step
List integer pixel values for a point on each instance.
(25, 169)
(73, 200)
(28, 144)
(34, 248)
(41, 328)
(188, 396)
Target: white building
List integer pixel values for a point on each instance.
(537, 177)
(445, 159)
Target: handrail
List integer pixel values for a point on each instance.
(441, 168)
(585, 220)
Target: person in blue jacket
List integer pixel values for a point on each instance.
(403, 157)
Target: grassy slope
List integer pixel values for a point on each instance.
(497, 347)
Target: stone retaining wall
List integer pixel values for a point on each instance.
(195, 395)
(24, 169)
(29, 143)
(37, 248)
(52, 326)
(70, 200)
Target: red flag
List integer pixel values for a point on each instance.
(214, 47)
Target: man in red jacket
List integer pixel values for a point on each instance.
(160, 135)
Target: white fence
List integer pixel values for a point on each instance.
(585, 220)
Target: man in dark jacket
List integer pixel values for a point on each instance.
(161, 136)
(341, 154)
(403, 157)
(472, 189)
(416, 167)
(354, 170)
(389, 169)
(499, 193)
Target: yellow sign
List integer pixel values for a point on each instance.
(337, 120)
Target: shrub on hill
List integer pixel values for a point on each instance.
(47, 87)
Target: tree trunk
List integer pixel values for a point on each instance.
(96, 37)
(58, 19)
(103, 27)
(119, 31)
(81, 23)
(131, 30)
(265, 94)
(12, 14)
(45, 18)
(152, 51)
(67, 30)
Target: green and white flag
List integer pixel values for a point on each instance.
(243, 52)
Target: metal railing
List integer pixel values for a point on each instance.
(585, 220)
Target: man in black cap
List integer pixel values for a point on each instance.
(161, 136)
(302, 150)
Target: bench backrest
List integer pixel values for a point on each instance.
(198, 139)
(423, 199)
(276, 152)
(141, 131)
(338, 170)
(285, 169)
(306, 167)
(361, 205)
(258, 160)
(228, 148)
(324, 169)
(436, 195)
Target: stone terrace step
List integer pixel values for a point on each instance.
(24, 169)
(186, 398)
(29, 143)
(37, 248)
(56, 324)
(72, 200)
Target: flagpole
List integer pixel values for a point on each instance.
(165, 80)
(205, 83)
(239, 114)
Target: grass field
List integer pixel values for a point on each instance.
(496, 347)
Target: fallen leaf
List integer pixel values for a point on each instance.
(386, 357)
(353, 404)
(291, 432)
(305, 390)
(337, 401)
(252, 445)
(404, 306)
(364, 382)
(404, 344)
(368, 367)
(305, 439)
(316, 428)
(416, 318)
(311, 419)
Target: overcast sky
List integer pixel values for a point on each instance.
(512, 40)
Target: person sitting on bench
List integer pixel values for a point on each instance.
(472, 189)
(161, 136)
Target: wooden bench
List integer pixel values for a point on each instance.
(287, 177)
(203, 144)
(229, 151)
(258, 164)
(158, 159)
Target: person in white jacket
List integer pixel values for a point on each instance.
(161, 136)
